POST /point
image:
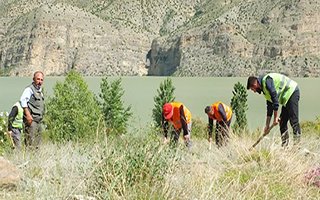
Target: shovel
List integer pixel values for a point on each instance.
(262, 136)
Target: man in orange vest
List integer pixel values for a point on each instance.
(222, 114)
(180, 118)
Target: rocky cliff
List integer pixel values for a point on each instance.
(245, 37)
(168, 37)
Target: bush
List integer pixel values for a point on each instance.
(165, 95)
(132, 167)
(116, 116)
(5, 143)
(239, 107)
(199, 128)
(311, 126)
(73, 112)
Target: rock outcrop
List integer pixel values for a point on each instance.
(9, 174)
(171, 37)
(252, 37)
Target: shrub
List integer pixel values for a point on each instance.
(165, 95)
(73, 112)
(116, 116)
(199, 128)
(239, 107)
(311, 127)
(5, 143)
(132, 167)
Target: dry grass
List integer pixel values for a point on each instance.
(232, 172)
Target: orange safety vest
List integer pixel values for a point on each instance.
(217, 116)
(176, 119)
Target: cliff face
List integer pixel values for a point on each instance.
(93, 37)
(251, 37)
(170, 37)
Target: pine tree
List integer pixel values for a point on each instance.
(165, 95)
(239, 106)
(115, 114)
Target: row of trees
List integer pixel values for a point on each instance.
(238, 104)
(75, 113)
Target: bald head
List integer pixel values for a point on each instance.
(38, 78)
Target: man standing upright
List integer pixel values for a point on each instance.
(278, 90)
(32, 102)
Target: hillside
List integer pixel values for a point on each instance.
(193, 38)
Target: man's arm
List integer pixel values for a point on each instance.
(25, 97)
(210, 127)
(274, 99)
(183, 121)
(222, 112)
(164, 127)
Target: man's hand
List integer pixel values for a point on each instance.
(28, 116)
(266, 130)
(10, 133)
(276, 121)
(165, 140)
(29, 120)
(186, 138)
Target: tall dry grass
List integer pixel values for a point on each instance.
(73, 170)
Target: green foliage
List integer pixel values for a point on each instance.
(73, 112)
(239, 107)
(116, 116)
(199, 128)
(132, 167)
(5, 143)
(4, 72)
(165, 95)
(311, 127)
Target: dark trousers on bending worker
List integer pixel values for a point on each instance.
(222, 133)
(290, 112)
(16, 136)
(175, 134)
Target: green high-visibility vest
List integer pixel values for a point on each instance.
(18, 121)
(284, 87)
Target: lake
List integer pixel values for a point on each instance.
(194, 92)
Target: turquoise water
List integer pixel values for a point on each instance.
(194, 92)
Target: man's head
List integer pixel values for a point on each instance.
(253, 84)
(38, 78)
(167, 111)
(209, 111)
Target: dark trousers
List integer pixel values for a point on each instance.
(222, 132)
(290, 112)
(33, 134)
(175, 134)
(16, 136)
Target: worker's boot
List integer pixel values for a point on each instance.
(296, 140)
(285, 139)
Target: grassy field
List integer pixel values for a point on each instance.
(195, 93)
(139, 166)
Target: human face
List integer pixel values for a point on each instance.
(255, 87)
(210, 113)
(38, 79)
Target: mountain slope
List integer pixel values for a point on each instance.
(250, 37)
(168, 37)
